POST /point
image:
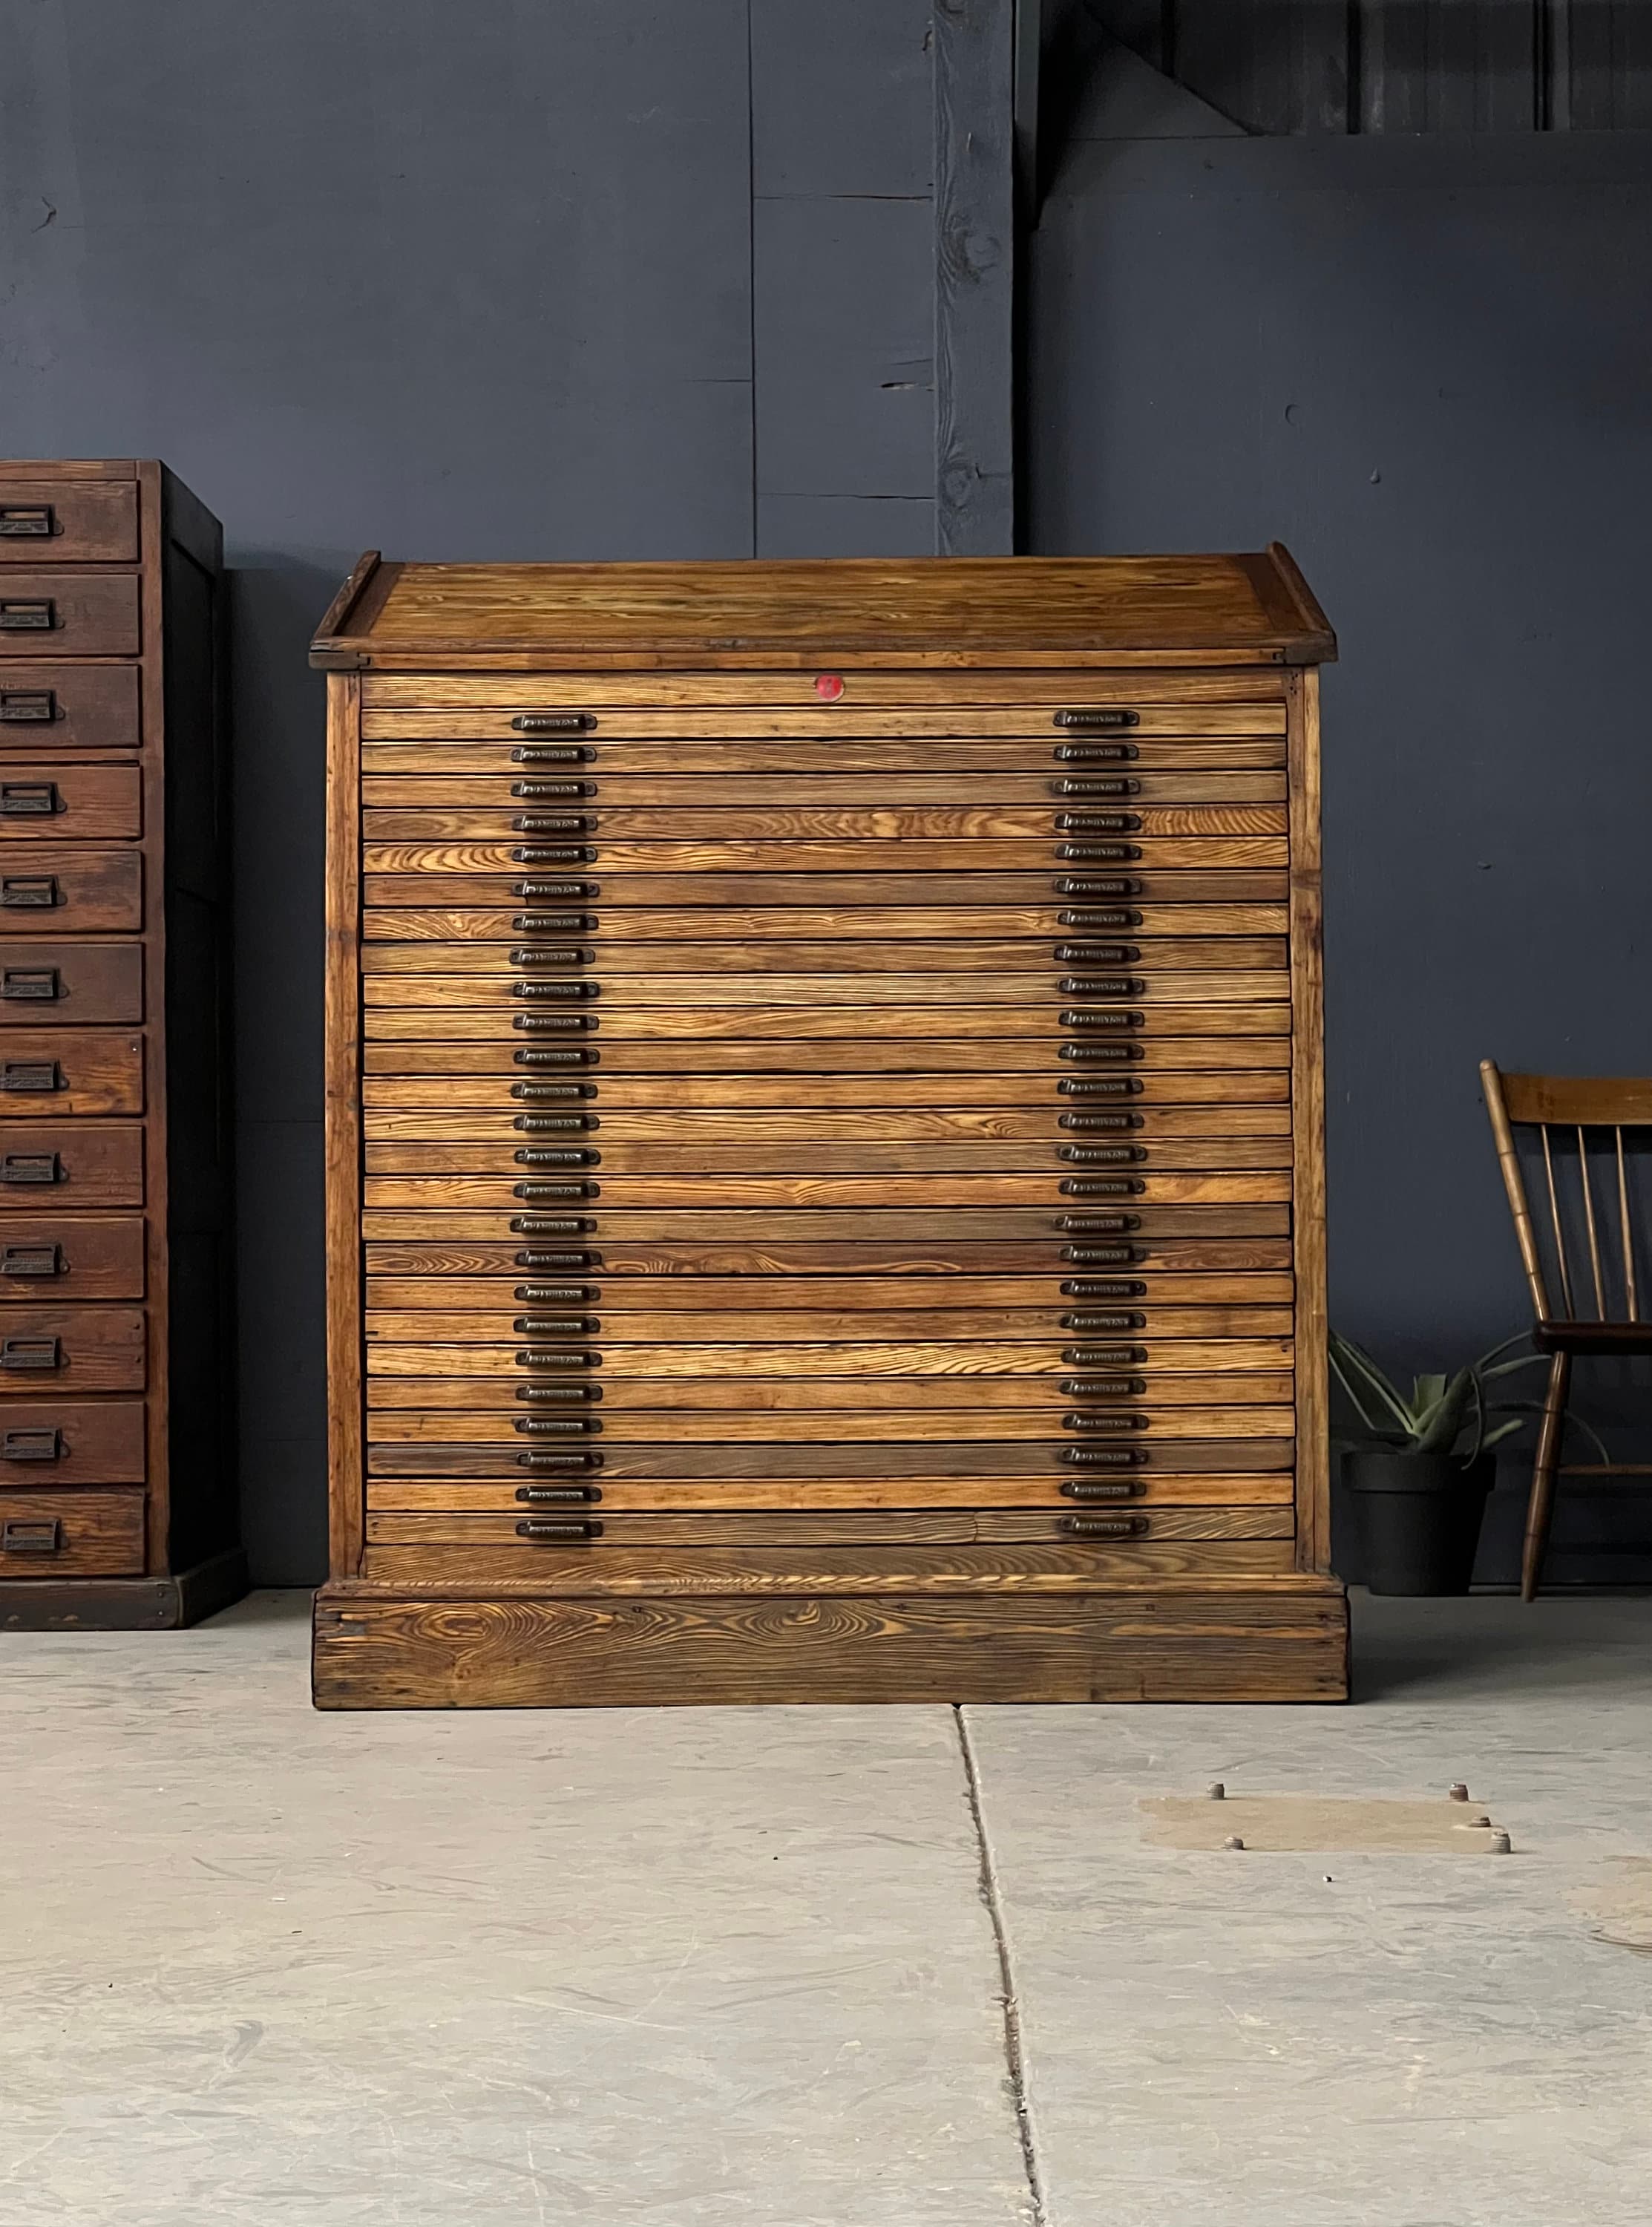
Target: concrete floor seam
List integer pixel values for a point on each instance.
(1038, 2213)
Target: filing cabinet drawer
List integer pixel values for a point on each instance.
(52, 1071)
(46, 802)
(44, 614)
(73, 1256)
(51, 1442)
(93, 1163)
(62, 521)
(71, 982)
(70, 1534)
(71, 889)
(60, 707)
(80, 1348)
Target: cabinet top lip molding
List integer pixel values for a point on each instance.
(1252, 608)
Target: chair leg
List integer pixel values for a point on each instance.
(1541, 1506)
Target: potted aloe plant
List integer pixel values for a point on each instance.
(1418, 1466)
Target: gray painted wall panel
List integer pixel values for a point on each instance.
(841, 97)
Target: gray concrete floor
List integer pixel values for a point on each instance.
(720, 1967)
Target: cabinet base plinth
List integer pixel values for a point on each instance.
(439, 1648)
(124, 1604)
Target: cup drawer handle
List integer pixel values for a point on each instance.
(18, 1537)
(36, 1445)
(29, 799)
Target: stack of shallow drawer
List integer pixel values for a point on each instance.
(816, 1115)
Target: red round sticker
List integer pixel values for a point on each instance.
(829, 686)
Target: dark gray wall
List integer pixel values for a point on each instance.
(1421, 363)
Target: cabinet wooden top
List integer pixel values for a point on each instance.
(1249, 609)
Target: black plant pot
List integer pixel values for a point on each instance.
(1419, 1517)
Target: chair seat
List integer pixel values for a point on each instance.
(1597, 1337)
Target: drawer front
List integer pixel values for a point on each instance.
(637, 968)
(96, 1163)
(943, 1462)
(1259, 1500)
(72, 1256)
(58, 889)
(70, 1534)
(48, 801)
(923, 1269)
(581, 697)
(662, 798)
(640, 894)
(80, 1348)
(1184, 1102)
(52, 1442)
(547, 1522)
(668, 753)
(59, 707)
(43, 614)
(643, 938)
(55, 1071)
(73, 982)
(48, 522)
(619, 830)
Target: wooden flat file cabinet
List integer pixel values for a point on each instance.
(117, 1483)
(825, 1134)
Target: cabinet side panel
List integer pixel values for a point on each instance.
(1308, 1118)
(343, 1125)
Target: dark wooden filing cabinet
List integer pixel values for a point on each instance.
(117, 1478)
(824, 1176)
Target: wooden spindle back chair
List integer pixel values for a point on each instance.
(1587, 1251)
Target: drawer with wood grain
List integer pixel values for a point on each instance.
(47, 520)
(522, 1285)
(1050, 1340)
(822, 1225)
(571, 1524)
(72, 1256)
(446, 1189)
(42, 802)
(73, 982)
(901, 857)
(385, 984)
(1173, 1061)
(70, 1534)
(68, 707)
(407, 1146)
(44, 614)
(85, 1164)
(1161, 929)
(1008, 750)
(1180, 1101)
(73, 1071)
(799, 1265)
(582, 695)
(44, 1346)
(942, 1460)
(937, 721)
(1263, 1494)
(807, 1400)
(643, 804)
(916, 1027)
(638, 1427)
(54, 1441)
(632, 967)
(643, 893)
(927, 827)
(1151, 1132)
(72, 889)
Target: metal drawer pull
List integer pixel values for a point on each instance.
(1095, 1224)
(1121, 918)
(1103, 1527)
(1099, 1122)
(1112, 1357)
(1083, 1020)
(1094, 753)
(1099, 823)
(1101, 1187)
(1103, 1387)
(558, 1190)
(28, 892)
(556, 1395)
(1110, 885)
(554, 923)
(550, 1225)
(555, 1056)
(1114, 1423)
(1096, 955)
(26, 521)
(1104, 1086)
(29, 799)
(1103, 985)
(31, 1076)
(1098, 850)
(541, 1493)
(30, 1355)
(1131, 1321)
(1102, 1156)
(532, 1259)
(544, 791)
(572, 993)
(562, 1532)
(551, 854)
(556, 1295)
(586, 1462)
(27, 707)
(31, 1260)
(555, 1156)
(554, 722)
(1105, 1456)
(1121, 786)
(540, 1091)
(1111, 1287)
(555, 954)
(1109, 1053)
(1101, 1255)
(32, 1446)
(573, 755)
(540, 1123)
(546, 1357)
(45, 1537)
(556, 1326)
(1122, 1488)
(1096, 717)
(544, 892)
(27, 618)
(30, 1168)
(553, 1024)
(564, 1426)
(30, 982)
(554, 823)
